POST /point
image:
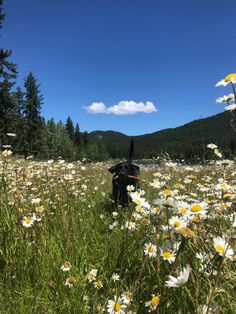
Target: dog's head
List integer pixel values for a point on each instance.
(125, 169)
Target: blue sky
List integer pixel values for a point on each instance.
(124, 53)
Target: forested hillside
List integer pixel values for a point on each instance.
(186, 142)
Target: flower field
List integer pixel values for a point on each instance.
(64, 250)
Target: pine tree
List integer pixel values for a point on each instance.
(78, 136)
(70, 128)
(32, 109)
(8, 73)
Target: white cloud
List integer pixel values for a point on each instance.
(122, 108)
(96, 107)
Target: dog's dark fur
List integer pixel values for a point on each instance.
(120, 181)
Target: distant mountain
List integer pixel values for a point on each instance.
(185, 142)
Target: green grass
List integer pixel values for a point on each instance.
(74, 227)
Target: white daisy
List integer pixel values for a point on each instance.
(126, 297)
(176, 222)
(168, 255)
(150, 249)
(222, 247)
(231, 78)
(199, 209)
(66, 266)
(70, 281)
(116, 306)
(27, 222)
(153, 303)
(174, 282)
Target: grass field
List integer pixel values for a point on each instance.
(63, 250)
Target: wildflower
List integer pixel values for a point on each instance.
(167, 255)
(114, 224)
(35, 218)
(176, 222)
(145, 222)
(11, 134)
(217, 153)
(174, 282)
(153, 303)
(186, 232)
(138, 200)
(231, 78)
(130, 188)
(150, 249)
(222, 247)
(167, 192)
(98, 284)
(116, 306)
(230, 107)
(39, 209)
(27, 222)
(35, 200)
(130, 225)
(115, 277)
(66, 266)
(114, 214)
(211, 146)
(199, 209)
(225, 98)
(92, 275)
(86, 298)
(70, 166)
(126, 297)
(203, 309)
(100, 308)
(222, 185)
(184, 211)
(6, 153)
(70, 281)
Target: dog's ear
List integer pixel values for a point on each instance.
(112, 169)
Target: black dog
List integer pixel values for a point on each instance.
(125, 173)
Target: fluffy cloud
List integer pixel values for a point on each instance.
(122, 108)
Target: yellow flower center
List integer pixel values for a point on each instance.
(220, 249)
(150, 249)
(155, 300)
(138, 201)
(66, 265)
(230, 77)
(167, 192)
(176, 224)
(117, 307)
(128, 296)
(158, 210)
(139, 209)
(223, 186)
(28, 221)
(178, 185)
(196, 208)
(71, 280)
(183, 210)
(167, 254)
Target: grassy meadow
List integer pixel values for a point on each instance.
(64, 250)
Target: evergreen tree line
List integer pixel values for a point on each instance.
(21, 115)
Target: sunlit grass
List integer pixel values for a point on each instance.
(57, 227)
